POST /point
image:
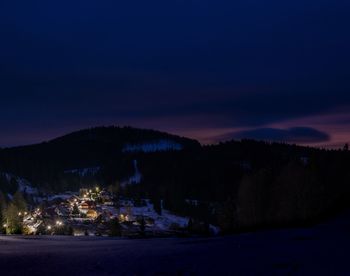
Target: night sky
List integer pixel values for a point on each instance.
(211, 70)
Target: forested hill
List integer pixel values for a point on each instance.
(44, 163)
(237, 184)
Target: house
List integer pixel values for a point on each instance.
(73, 200)
(85, 206)
(83, 192)
(109, 203)
(92, 214)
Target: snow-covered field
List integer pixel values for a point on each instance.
(321, 250)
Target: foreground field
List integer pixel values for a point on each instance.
(321, 250)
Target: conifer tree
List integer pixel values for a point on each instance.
(19, 201)
(3, 205)
(13, 219)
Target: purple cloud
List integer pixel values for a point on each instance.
(299, 135)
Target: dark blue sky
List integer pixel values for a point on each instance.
(211, 70)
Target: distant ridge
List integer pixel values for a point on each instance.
(93, 147)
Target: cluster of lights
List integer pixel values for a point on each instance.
(20, 213)
(58, 223)
(91, 191)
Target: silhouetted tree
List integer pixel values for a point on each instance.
(115, 227)
(12, 219)
(157, 205)
(142, 226)
(227, 216)
(75, 210)
(19, 201)
(3, 206)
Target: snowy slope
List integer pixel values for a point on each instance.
(155, 146)
(135, 178)
(26, 187)
(23, 185)
(162, 222)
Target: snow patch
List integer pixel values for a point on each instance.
(92, 171)
(23, 185)
(161, 222)
(134, 179)
(26, 187)
(155, 146)
(64, 196)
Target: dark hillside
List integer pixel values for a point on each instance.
(238, 184)
(44, 163)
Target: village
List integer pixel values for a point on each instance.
(96, 212)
